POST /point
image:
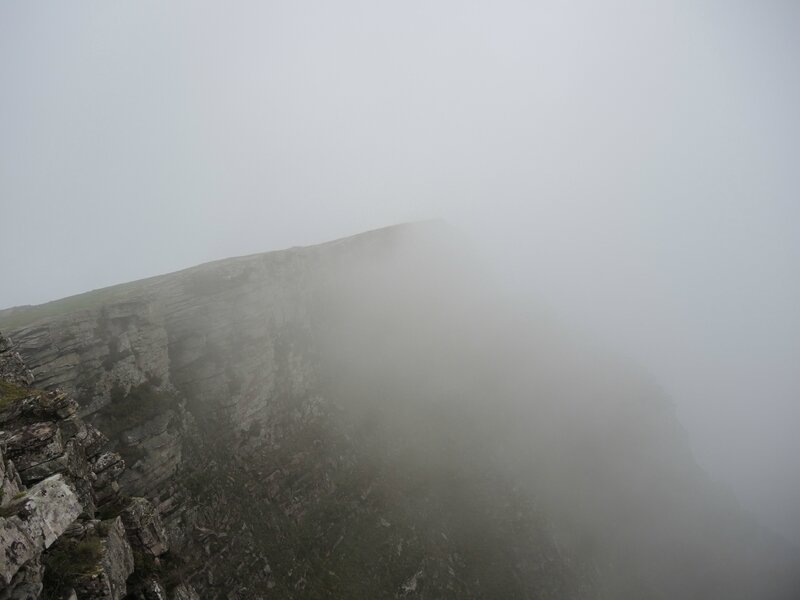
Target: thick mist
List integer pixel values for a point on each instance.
(631, 168)
(452, 380)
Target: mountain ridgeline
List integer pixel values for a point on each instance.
(373, 418)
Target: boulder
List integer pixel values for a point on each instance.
(34, 521)
(108, 466)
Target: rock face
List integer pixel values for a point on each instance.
(57, 478)
(145, 530)
(350, 420)
(34, 520)
(113, 566)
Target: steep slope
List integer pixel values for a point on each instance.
(370, 418)
(66, 530)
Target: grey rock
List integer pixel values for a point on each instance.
(5, 343)
(185, 592)
(54, 404)
(108, 580)
(143, 525)
(12, 366)
(33, 444)
(26, 584)
(72, 462)
(10, 481)
(151, 590)
(108, 466)
(34, 522)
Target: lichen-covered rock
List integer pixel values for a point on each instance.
(107, 466)
(55, 404)
(27, 583)
(150, 589)
(32, 445)
(93, 440)
(33, 521)
(143, 525)
(106, 579)
(44, 444)
(12, 366)
(71, 462)
(117, 559)
(10, 482)
(185, 592)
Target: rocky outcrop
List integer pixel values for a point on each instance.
(184, 592)
(33, 520)
(106, 559)
(145, 530)
(349, 421)
(58, 477)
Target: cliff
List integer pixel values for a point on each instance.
(369, 418)
(66, 530)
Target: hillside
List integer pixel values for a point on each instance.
(373, 418)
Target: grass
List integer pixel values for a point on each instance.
(20, 316)
(201, 281)
(68, 561)
(12, 508)
(11, 392)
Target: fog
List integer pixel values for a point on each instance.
(631, 167)
(457, 384)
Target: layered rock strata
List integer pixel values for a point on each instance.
(65, 528)
(365, 419)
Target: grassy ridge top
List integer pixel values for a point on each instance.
(20, 316)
